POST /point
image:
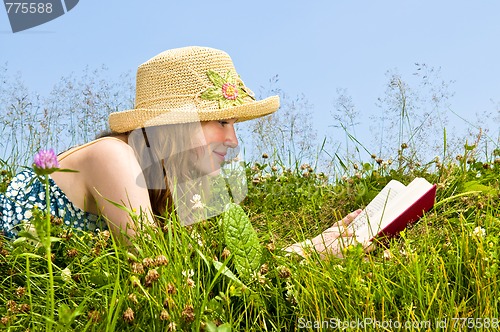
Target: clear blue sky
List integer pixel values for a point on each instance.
(314, 46)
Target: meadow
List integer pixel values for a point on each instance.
(440, 274)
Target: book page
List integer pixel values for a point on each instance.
(367, 224)
(413, 191)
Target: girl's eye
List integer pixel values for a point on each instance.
(223, 123)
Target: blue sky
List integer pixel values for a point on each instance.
(315, 47)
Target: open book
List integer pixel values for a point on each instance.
(393, 209)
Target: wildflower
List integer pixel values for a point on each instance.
(379, 160)
(45, 162)
(274, 168)
(197, 203)
(171, 288)
(188, 273)
(128, 315)
(479, 231)
(404, 146)
(5, 320)
(164, 315)
(265, 156)
(20, 291)
(151, 277)
(161, 260)
(188, 313)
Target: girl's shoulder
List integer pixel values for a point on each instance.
(101, 148)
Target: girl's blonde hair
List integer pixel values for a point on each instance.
(166, 155)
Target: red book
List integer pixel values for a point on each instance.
(393, 209)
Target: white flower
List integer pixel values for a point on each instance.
(188, 273)
(66, 275)
(479, 231)
(197, 204)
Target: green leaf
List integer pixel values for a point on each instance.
(211, 94)
(242, 241)
(216, 79)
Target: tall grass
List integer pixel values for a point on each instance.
(438, 275)
(443, 269)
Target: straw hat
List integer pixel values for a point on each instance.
(190, 84)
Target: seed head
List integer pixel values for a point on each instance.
(94, 316)
(225, 253)
(284, 272)
(133, 298)
(72, 253)
(148, 262)
(151, 277)
(164, 315)
(188, 313)
(20, 291)
(137, 268)
(171, 288)
(128, 315)
(161, 260)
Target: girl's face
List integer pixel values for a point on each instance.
(216, 137)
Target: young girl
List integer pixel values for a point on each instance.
(160, 156)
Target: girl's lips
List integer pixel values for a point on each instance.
(220, 154)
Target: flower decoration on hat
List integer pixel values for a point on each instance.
(226, 90)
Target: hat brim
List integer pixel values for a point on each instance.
(129, 120)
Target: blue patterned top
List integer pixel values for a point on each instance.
(26, 191)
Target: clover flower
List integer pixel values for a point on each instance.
(197, 203)
(479, 231)
(45, 162)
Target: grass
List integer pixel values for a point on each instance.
(440, 275)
